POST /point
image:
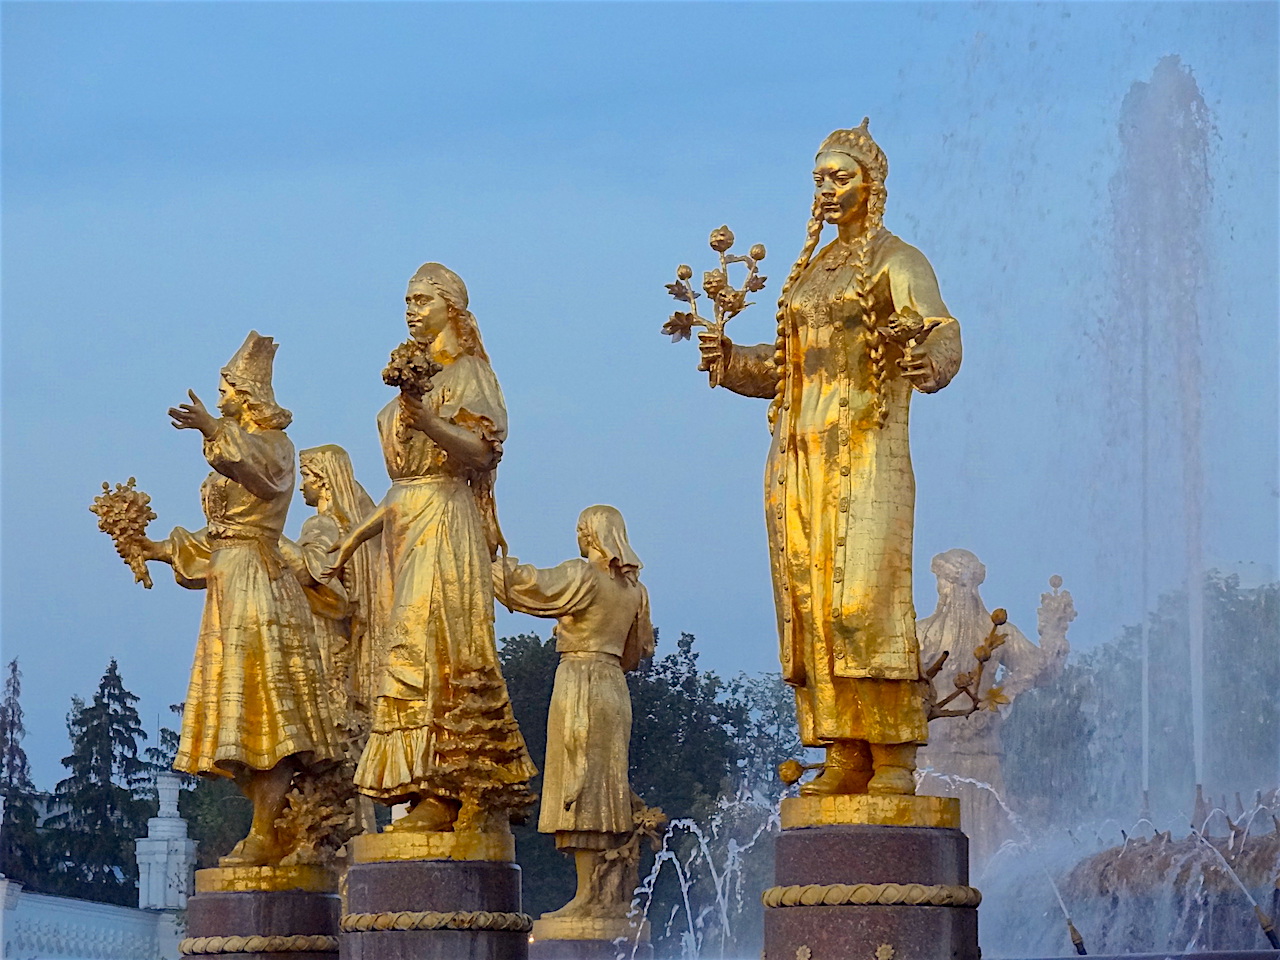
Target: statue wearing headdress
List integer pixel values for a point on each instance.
(602, 630)
(256, 707)
(351, 610)
(861, 327)
(971, 749)
(443, 737)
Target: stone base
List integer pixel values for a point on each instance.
(871, 892)
(867, 808)
(434, 910)
(258, 920)
(306, 878)
(497, 846)
(589, 938)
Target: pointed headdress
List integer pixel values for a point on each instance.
(250, 368)
(857, 143)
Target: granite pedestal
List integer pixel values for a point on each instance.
(871, 890)
(432, 909)
(291, 915)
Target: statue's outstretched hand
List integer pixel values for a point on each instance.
(193, 416)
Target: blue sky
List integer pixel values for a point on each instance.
(175, 174)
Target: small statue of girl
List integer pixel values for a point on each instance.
(602, 630)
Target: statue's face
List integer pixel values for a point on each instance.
(312, 485)
(841, 187)
(230, 400)
(584, 540)
(425, 311)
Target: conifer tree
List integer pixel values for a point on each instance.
(104, 797)
(20, 852)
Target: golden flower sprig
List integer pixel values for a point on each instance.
(411, 369)
(123, 515)
(727, 301)
(969, 684)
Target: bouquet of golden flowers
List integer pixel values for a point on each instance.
(727, 301)
(411, 369)
(123, 515)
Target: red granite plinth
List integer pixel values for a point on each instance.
(932, 857)
(436, 887)
(261, 913)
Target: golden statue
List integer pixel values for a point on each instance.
(256, 708)
(350, 609)
(971, 749)
(861, 326)
(602, 630)
(443, 737)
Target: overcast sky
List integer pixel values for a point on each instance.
(175, 174)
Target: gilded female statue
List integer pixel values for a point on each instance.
(861, 327)
(256, 707)
(971, 749)
(349, 630)
(602, 630)
(440, 533)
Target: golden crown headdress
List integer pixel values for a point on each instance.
(251, 364)
(858, 144)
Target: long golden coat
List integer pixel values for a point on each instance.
(840, 493)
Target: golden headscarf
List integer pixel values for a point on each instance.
(602, 527)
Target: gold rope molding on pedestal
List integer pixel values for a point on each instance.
(878, 894)
(432, 920)
(204, 946)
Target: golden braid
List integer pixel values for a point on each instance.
(875, 336)
(812, 232)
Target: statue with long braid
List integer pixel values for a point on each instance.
(861, 326)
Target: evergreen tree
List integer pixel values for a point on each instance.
(20, 850)
(104, 797)
(15, 772)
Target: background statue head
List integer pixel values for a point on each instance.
(328, 481)
(602, 529)
(958, 568)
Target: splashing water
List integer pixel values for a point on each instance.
(1153, 341)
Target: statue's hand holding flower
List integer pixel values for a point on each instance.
(727, 301)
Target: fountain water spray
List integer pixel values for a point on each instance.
(1160, 199)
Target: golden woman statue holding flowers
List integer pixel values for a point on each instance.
(256, 708)
(861, 326)
(442, 737)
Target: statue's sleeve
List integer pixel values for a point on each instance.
(475, 400)
(751, 371)
(261, 462)
(913, 285)
(190, 557)
(1025, 664)
(308, 558)
(555, 592)
(640, 640)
